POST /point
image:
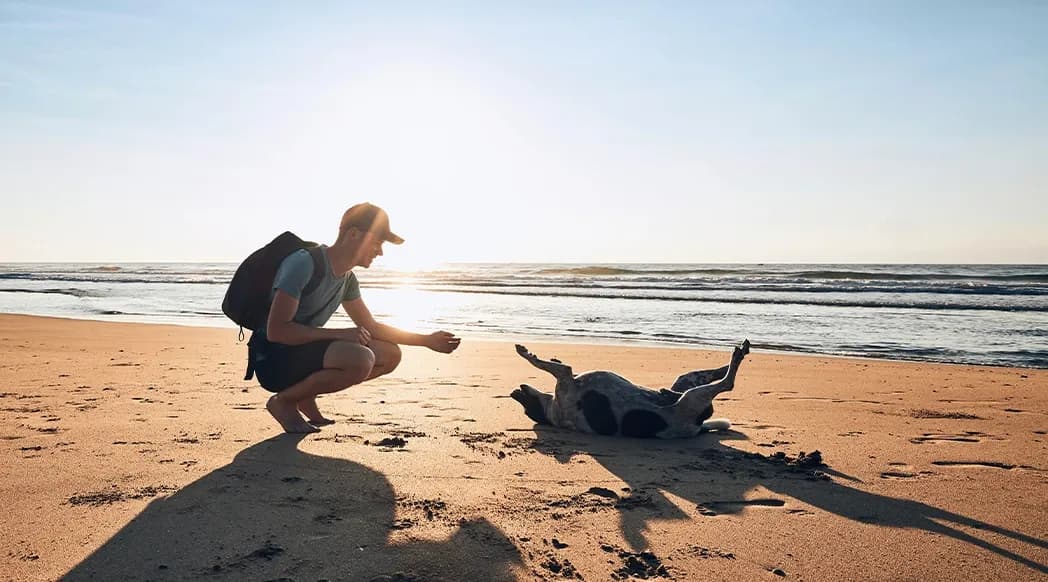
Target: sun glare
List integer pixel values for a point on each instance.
(410, 308)
(411, 260)
(430, 144)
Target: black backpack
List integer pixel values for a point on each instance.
(247, 298)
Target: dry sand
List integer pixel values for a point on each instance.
(137, 452)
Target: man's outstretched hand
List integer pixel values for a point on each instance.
(442, 341)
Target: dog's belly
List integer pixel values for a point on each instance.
(608, 404)
(618, 389)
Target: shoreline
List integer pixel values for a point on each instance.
(138, 452)
(591, 341)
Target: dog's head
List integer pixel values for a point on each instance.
(534, 407)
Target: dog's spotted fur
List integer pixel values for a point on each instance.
(608, 404)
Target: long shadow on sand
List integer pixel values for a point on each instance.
(717, 477)
(278, 513)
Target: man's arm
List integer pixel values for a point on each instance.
(281, 327)
(439, 341)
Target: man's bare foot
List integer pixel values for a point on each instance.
(313, 416)
(288, 417)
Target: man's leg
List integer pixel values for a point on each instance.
(387, 357)
(345, 364)
(309, 408)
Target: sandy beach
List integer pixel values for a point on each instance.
(137, 452)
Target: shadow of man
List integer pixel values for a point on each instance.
(278, 513)
(717, 477)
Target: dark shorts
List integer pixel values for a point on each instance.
(280, 366)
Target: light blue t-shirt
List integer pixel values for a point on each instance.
(316, 308)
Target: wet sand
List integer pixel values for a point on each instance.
(137, 452)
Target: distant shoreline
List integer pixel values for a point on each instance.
(580, 342)
(965, 314)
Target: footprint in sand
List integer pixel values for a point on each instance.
(799, 511)
(757, 426)
(927, 413)
(903, 471)
(1020, 411)
(966, 437)
(327, 518)
(710, 508)
(982, 402)
(974, 464)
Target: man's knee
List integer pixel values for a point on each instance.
(387, 357)
(354, 361)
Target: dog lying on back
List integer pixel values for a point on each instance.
(608, 404)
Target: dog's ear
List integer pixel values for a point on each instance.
(534, 407)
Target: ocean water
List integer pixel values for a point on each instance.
(976, 314)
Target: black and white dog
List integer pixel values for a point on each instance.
(608, 404)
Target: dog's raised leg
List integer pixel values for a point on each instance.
(690, 380)
(562, 372)
(698, 378)
(698, 398)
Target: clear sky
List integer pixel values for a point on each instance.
(528, 131)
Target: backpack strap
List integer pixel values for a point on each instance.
(319, 269)
(317, 253)
(250, 371)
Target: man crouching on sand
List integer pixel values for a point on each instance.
(294, 357)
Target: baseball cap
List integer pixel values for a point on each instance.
(366, 216)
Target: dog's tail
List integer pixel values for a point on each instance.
(716, 424)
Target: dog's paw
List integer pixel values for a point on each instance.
(715, 424)
(740, 351)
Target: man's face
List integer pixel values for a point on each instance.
(370, 247)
